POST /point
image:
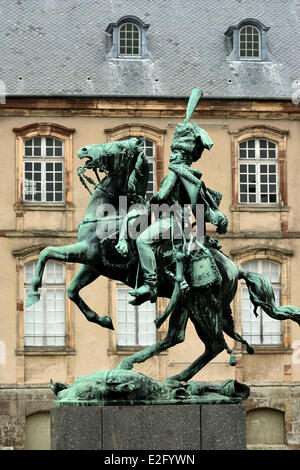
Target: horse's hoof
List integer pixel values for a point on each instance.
(106, 322)
(32, 299)
(175, 378)
(233, 361)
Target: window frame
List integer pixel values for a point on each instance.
(282, 257)
(257, 161)
(261, 314)
(120, 54)
(45, 285)
(23, 257)
(43, 159)
(56, 131)
(259, 42)
(44, 129)
(279, 137)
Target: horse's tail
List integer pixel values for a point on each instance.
(262, 295)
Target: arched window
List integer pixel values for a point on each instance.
(43, 170)
(265, 426)
(129, 39)
(37, 431)
(249, 42)
(258, 172)
(45, 323)
(262, 329)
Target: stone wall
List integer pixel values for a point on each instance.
(15, 405)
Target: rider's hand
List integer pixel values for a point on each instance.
(122, 247)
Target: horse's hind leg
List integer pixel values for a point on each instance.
(209, 332)
(85, 276)
(175, 335)
(212, 349)
(228, 328)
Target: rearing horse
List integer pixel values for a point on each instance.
(126, 169)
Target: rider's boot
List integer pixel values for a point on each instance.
(146, 292)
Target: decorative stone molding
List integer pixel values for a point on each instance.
(278, 136)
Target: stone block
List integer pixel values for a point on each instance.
(223, 427)
(152, 427)
(76, 428)
(149, 427)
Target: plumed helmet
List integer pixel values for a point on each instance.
(190, 137)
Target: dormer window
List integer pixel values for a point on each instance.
(128, 38)
(248, 41)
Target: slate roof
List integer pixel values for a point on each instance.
(51, 47)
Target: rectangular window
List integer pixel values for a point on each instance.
(258, 172)
(45, 320)
(262, 329)
(43, 169)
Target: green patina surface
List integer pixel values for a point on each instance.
(122, 387)
(194, 273)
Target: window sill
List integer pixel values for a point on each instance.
(268, 349)
(44, 351)
(259, 208)
(128, 350)
(46, 207)
(267, 447)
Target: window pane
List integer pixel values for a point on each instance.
(135, 324)
(146, 325)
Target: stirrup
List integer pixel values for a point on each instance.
(141, 297)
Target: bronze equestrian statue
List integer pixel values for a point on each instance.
(198, 278)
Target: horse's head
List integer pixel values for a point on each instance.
(122, 158)
(112, 156)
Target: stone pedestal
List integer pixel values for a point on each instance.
(149, 427)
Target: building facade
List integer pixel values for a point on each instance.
(129, 73)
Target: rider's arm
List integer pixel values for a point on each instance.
(166, 186)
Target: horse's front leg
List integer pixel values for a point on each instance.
(76, 253)
(85, 276)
